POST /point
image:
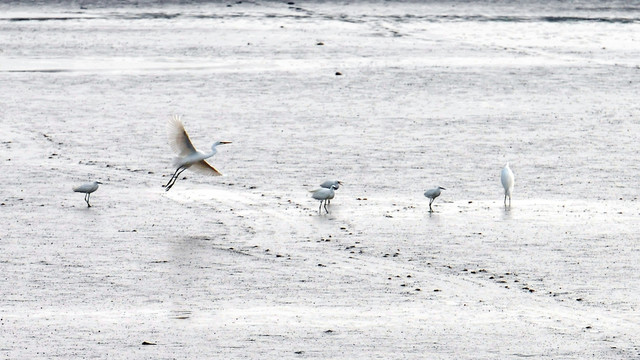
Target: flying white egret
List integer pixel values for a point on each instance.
(433, 194)
(506, 176)
(87, 189)
(324, 195)
(327, 185)
(188, 156)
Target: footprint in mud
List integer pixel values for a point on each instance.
(503, 279)
(407, 281)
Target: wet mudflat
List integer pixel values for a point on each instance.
(244, 266)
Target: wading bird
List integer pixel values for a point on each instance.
(87, 189)
(324, 195)
(433, 194)
(506, 176)
(327, 185)
(188, 156)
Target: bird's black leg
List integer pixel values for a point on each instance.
(172, 181)
(168, 185)
(430, 202)
(174, 178)
(325, 206)
(320, 207)
(86, 198)
(175, 175)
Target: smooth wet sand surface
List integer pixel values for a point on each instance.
(243, 266)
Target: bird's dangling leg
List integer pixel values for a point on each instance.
(171, 182)
(174, 178)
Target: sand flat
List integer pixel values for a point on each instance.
(243, 266)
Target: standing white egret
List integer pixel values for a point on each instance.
(506, 176)
(433, 194)
(327, 185)
(324, 195)
(188, 156)
(87, 189)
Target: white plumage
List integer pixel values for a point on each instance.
(433, 194)
(507, 179)
(188, 156)
(324, 195)
(327, 185)
(87, 189)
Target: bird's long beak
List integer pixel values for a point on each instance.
(340, 182)
(225, 142)
(442, 188)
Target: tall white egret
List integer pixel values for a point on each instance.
(327, 185)
(87, 189)
(188, 156)
(507, 179)
(324, 195)
(433, 194)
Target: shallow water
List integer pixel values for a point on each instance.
(243, 265)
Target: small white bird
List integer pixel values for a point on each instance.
(433, 194)
(506, 176)
(324, 195)
(87, 189)
(188, 156)
(327, 185)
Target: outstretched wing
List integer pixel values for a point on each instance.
(205, 168)
(178, 137)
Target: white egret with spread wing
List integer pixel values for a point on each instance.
(188, 156)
